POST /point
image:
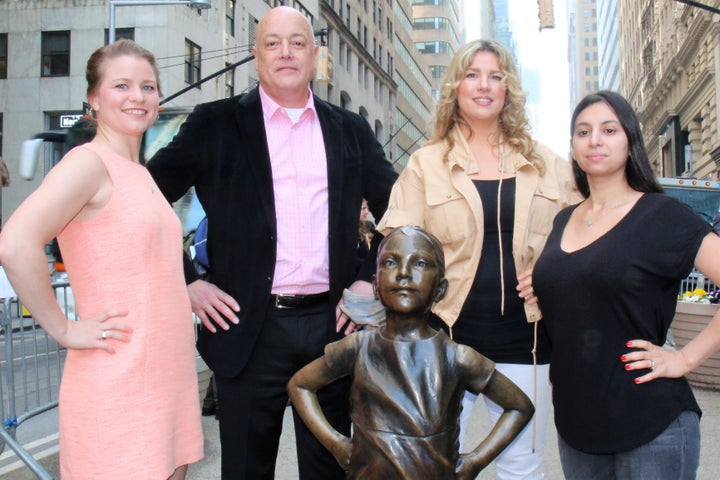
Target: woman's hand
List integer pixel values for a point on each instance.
(655, 361)
(525, 287)
(359, 287)
(94, 332)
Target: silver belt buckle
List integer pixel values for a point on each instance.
(278, 297)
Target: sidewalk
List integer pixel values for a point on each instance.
(209, 467)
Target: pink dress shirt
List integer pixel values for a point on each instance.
(299, 170)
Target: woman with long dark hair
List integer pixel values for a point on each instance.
(607, 283)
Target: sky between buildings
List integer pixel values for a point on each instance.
(543, 56)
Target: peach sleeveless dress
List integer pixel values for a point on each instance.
(134, 414)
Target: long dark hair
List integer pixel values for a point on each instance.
(640, 175)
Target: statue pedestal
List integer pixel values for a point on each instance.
(690, 318)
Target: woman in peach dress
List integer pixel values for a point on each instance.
(128, 399)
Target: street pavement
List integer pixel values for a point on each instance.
(209, 467)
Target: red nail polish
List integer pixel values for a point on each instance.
(623, 358)
(628, 344)
(637, 380)
(627, 367)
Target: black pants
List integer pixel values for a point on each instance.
(253, 404)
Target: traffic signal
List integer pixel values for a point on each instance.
(323, 69)
(545, 14)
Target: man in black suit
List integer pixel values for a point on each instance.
(258, 162)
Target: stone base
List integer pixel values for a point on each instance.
(690, 319)
(204, 374)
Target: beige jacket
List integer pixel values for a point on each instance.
(441, 198)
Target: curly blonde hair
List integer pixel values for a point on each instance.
(515, 130)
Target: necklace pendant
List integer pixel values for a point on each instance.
(589, 223)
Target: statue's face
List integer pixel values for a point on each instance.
(407, 277)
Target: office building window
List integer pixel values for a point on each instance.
(192, 62)
(252, 29)
(55, 54)
(128, 33)
(438, 71)
(230, 17)
(3, 55)
(229, 82)
(434, 47)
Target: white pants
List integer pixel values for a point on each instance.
(518, 460)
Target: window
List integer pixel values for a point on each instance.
(55, 54)
(438, 71)
(230, 17)
(128, 33)
(3, 56)
(252, 29)
(229, 82)
(192, 62)
(434, 47)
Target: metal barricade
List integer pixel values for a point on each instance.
(696, 280)
(31, 366)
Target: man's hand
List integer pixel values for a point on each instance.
(209, 302)
(360, 287)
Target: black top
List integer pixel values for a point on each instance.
(622, 286)
(508, 337)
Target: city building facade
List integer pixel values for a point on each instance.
(583, 48)
(607, 43)
(44, 44)
(437, 33)
(670, 72)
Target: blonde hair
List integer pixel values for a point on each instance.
(514, 127)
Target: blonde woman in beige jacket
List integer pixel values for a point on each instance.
(489, 193)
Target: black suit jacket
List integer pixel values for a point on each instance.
(221, 150)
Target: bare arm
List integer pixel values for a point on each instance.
(672, 363)
(77, 188)
(302, 388)
(518, 412)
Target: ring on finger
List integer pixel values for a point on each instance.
(652, 365)
(103, 335)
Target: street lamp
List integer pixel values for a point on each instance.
(201, 4)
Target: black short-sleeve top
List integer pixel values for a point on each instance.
(622, 286)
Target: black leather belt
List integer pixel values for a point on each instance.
(298, 301)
